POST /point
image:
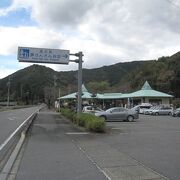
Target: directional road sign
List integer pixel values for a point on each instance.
(43, 55)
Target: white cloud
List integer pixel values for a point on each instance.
(12, 37)
(106, 31)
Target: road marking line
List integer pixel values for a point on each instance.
(77, 133)
(91, 160)
(12, 118)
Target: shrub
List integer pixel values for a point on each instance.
(68, 113)
(89, 121)
(95, 124)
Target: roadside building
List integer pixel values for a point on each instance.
(148, 95)
(71, 98)
(106, 100)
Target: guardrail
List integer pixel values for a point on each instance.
(11, 146)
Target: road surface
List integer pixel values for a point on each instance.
(11, 119)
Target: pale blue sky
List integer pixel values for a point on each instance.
(106, 31)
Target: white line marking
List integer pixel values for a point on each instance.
(77, 133)
(11, 118)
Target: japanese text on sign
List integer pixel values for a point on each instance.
(42, 55)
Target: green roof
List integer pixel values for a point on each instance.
(69, 96)
(147, 91)
(84, 88)
(86, 94)
(146, 86)
(109, 96)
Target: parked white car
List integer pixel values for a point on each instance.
(91, 109)
(140, 108)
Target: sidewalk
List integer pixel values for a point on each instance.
(56, 150)
(50, 153)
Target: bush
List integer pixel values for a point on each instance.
(96, 125)
(89, 121)
(68, 113)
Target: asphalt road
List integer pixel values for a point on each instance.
(10, 120)
(152, 140)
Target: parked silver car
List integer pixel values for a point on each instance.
(162, 111)
(150, 110)
(176, 113)
(118, 113)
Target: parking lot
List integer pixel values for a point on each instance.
(145, 149)
(151, 140)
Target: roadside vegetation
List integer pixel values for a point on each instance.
(89, 121)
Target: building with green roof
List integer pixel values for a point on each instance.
(85, 94)
(145, 95)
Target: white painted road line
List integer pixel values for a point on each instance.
(11, 118)
(77, 133)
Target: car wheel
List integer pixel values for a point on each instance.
(130, 118)
(170, 114)
(103, 117)
(156, 113)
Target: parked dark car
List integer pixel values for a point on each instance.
(118, 113)
(176, 113)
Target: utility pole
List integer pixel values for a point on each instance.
(80, 82)
(59, 100)
(8, 84)
(55, 85)
(21, 92)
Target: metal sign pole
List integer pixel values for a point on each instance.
(79, 109)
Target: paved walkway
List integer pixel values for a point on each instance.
(56, 150)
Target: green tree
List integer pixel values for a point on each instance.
(98, 87)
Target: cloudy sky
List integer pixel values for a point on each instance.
(107, 31)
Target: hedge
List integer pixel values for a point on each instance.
(88, 121)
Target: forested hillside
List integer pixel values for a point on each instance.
(163, 75)
(37, 83)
